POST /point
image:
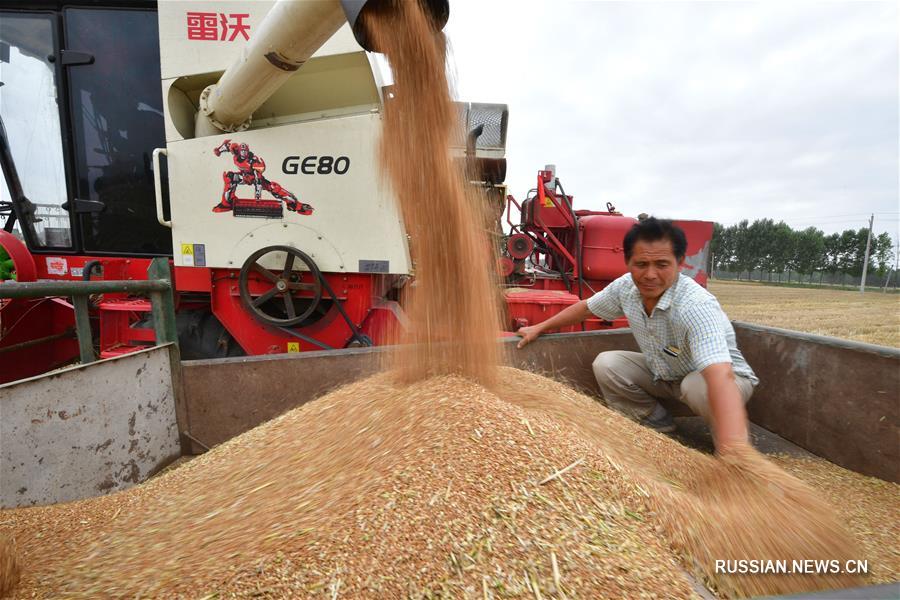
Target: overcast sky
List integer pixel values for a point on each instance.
(705, 110)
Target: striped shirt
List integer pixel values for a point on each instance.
(687, 331)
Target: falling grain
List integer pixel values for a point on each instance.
(9, 565)
(455, 296)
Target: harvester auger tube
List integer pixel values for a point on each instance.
(289, 35)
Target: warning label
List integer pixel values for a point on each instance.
(193, 255)
(293, 346)
(57, 265)
(187, 255)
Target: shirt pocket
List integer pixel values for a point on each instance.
(678, 365)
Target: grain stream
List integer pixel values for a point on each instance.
(455, 295)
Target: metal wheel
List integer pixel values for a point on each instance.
(279, 304)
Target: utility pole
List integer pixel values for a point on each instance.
(862, 283)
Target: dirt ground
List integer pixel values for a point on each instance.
(872, 317)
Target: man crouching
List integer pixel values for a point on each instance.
(688, 347)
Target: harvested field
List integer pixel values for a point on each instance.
(872, 317)
(439, 489)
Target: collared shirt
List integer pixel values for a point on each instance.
(687, 330)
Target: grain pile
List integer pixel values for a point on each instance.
(438, 489)
(869, 507)
(739, 506)
(9, 566)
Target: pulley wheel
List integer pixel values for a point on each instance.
(519, 246)
(505, 266)
(276, 305)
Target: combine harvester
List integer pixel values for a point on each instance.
(238, 219)
(260, 186)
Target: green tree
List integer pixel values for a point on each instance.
(831, 260)
(782, 246)
(717, 248)
(882, 253)
(775, 248)
(849, 252)
(809, 251)
(757, 232)
(743, 257)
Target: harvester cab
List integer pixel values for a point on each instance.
(240, 141)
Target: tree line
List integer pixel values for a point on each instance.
(767, 246)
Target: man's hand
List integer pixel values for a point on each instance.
(571, 315)
(528, 335)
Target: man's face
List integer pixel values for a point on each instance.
(653, 267)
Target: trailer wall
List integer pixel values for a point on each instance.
(88, 430)
(838, 399)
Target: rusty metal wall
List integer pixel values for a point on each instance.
(835, 398)
(225, 397)
(88, 430)
(838, 399)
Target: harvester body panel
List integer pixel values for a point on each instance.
(329, 165)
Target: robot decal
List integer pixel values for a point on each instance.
(250, 172)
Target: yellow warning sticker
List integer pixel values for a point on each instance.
(187, 255)
(293, 346)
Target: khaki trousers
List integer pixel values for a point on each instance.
(628, 386)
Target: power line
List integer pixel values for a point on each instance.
(827, 219)
(857, 214)
(837, 222)
(833, 223)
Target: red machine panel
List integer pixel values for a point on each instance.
(548, 209)
(528, 307)
(699, 234)
(36, 335)
(601, 240)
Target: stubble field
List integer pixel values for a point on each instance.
(872, 317)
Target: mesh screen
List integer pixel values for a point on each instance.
(493, 117)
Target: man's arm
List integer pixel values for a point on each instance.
(726, 407)
(571, 315)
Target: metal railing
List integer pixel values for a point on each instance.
(158, 287)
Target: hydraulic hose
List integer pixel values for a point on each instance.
(578, 261)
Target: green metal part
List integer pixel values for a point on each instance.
(158, 287)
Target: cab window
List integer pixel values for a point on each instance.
(29, 106)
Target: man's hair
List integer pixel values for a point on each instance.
(651, 230)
